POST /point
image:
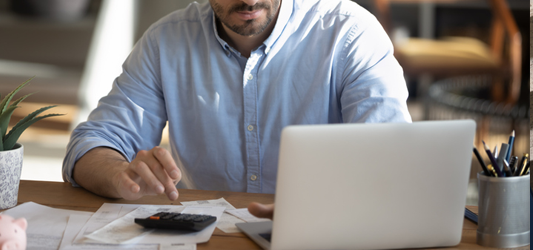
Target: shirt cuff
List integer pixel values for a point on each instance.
(77, 150)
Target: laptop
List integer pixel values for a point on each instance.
(369, 186)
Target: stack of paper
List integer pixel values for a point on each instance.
(113, 227)
(227, 221)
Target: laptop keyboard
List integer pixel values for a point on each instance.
(267, 236)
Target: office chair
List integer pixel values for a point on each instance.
(451, 56)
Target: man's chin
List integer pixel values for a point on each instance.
(249, 29)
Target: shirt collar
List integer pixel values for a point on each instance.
(223, 43)
(285, 12)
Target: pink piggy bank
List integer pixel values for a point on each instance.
(12, 233)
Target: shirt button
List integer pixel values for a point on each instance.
(267, 50)
(250, 127)
(250, 77)
(253, 177)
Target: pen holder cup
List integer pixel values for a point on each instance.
(503, 219)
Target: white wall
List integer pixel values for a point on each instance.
(118, 26)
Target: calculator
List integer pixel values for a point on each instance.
(177, 221)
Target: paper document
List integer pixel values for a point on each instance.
(106, 214)
(227, 221)
(46, 225)
(178, 247)
(209, 203)
(124, 230)
(230, 216)
(76, 222)
(243, 214)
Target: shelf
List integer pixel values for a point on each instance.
(10, 20)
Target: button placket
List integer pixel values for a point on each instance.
(250, 122)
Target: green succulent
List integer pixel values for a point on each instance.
(8, 141)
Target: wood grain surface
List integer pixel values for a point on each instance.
(63, 195)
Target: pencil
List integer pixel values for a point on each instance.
(483, 166)
(493, 161)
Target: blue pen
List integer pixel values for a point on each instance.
(493, 161)
(510, 149)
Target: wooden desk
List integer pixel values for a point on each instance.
(63, 195)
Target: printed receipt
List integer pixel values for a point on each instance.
(209, 203)
(46, 225)
(227, 221)
(229, 217)
(125, 231)
(243, 214)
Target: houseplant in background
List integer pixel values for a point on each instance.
(11, 152)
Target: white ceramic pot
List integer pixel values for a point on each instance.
(10, 169)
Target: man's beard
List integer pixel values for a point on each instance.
(250, 27)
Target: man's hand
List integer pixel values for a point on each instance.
(261, 210)
(152, 172)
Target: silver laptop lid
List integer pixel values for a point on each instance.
(372, 186)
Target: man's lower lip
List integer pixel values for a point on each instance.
(249, 15)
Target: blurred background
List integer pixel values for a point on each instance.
(462, 59)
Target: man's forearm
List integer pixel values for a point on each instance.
(96, 169)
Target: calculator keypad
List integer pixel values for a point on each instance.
(179, 221)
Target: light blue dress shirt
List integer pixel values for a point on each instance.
(325, 61)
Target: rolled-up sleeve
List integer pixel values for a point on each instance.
(130, 118)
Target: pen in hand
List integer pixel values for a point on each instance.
(493, 161)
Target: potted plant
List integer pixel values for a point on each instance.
(11, 152)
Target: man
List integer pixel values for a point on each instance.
(261, 210)
(228, 76)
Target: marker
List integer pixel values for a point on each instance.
(493, 161)
(502, 155)
(510, 149)
(507, 169)
(483, 166)
(522, 165)
(513, 162)
(495, 152)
